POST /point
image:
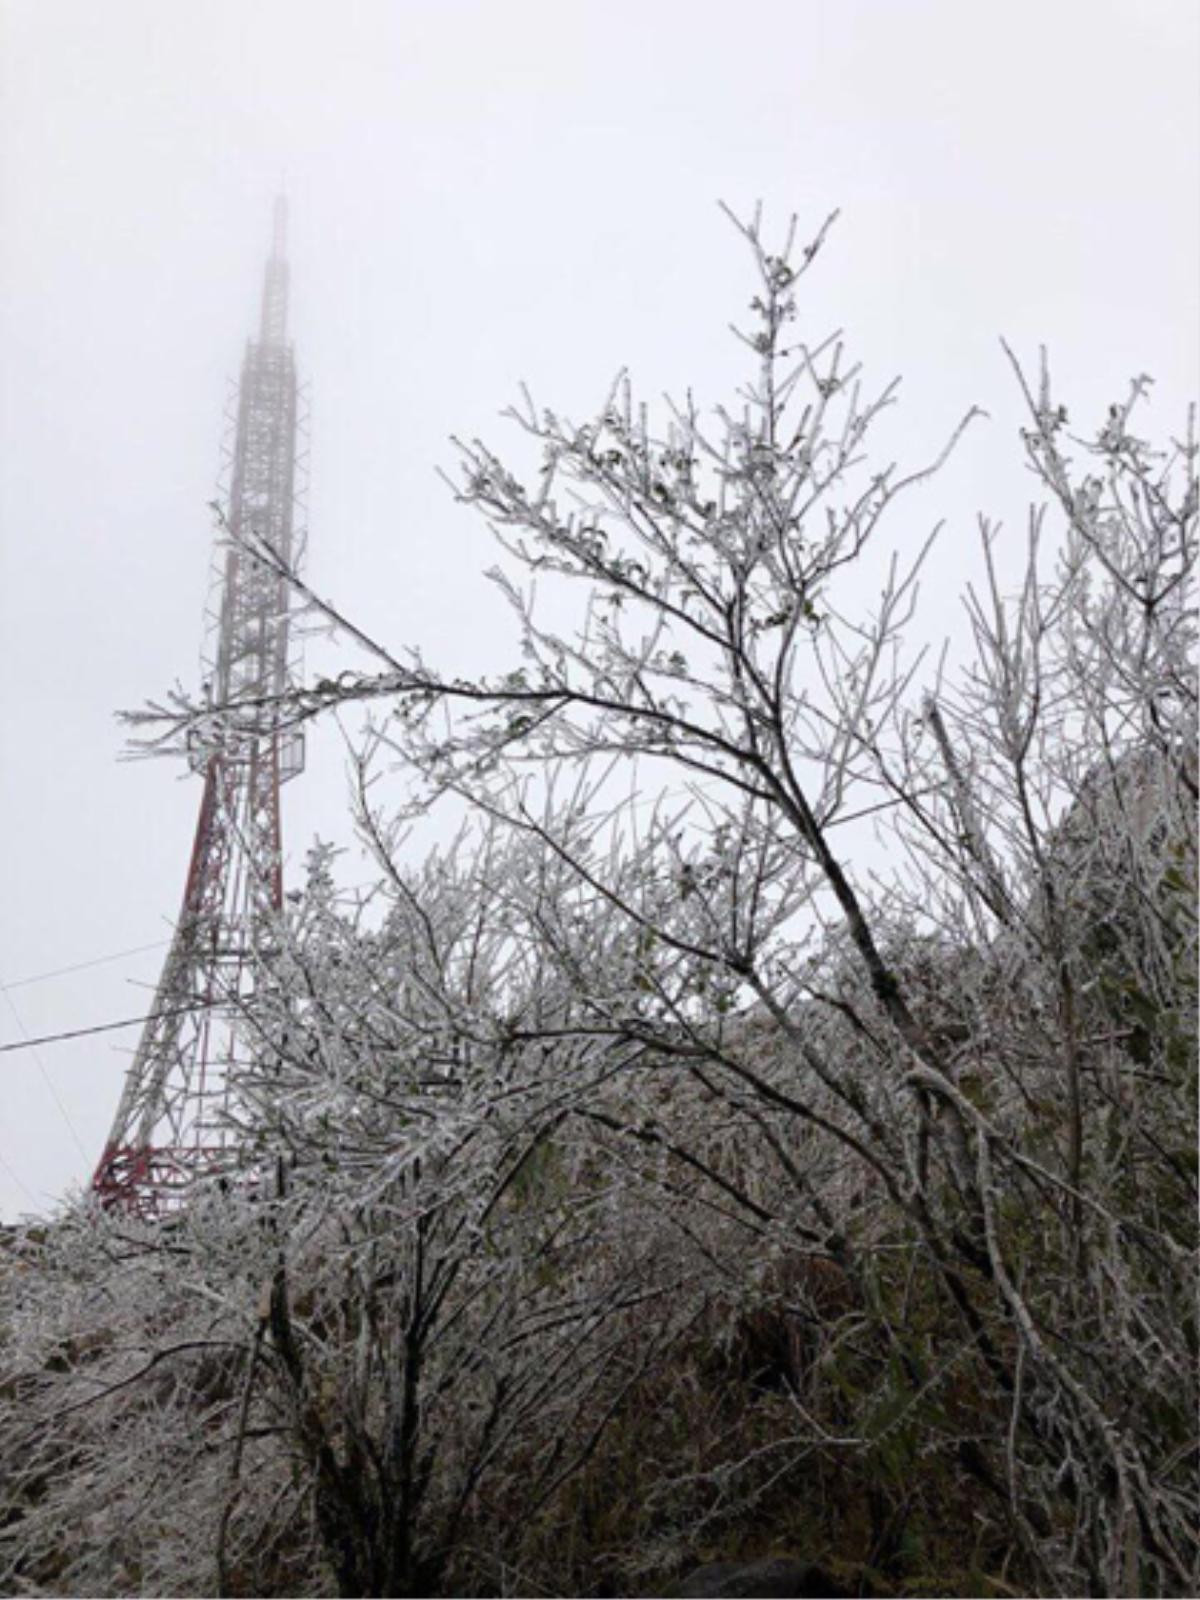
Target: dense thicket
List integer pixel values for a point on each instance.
(770, 1127)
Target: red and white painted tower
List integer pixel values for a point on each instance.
(175, 1121)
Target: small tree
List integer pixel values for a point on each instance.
(457, 1316)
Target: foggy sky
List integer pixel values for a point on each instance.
(484, 192)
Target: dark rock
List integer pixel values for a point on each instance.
(773, 1578)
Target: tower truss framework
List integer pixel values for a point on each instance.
(176, 1120)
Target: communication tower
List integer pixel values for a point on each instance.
(175, 1121)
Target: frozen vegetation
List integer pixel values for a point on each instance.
(644, 1184)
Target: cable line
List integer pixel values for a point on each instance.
(47, 1079)
(80, 966)
(19, 1181)
(110, 1027)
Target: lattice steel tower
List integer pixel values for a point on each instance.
(174, 1122)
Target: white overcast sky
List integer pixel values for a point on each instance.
(484, 192)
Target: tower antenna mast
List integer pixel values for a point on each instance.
(176, 1121)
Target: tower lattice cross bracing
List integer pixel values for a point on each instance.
(175, 1120)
